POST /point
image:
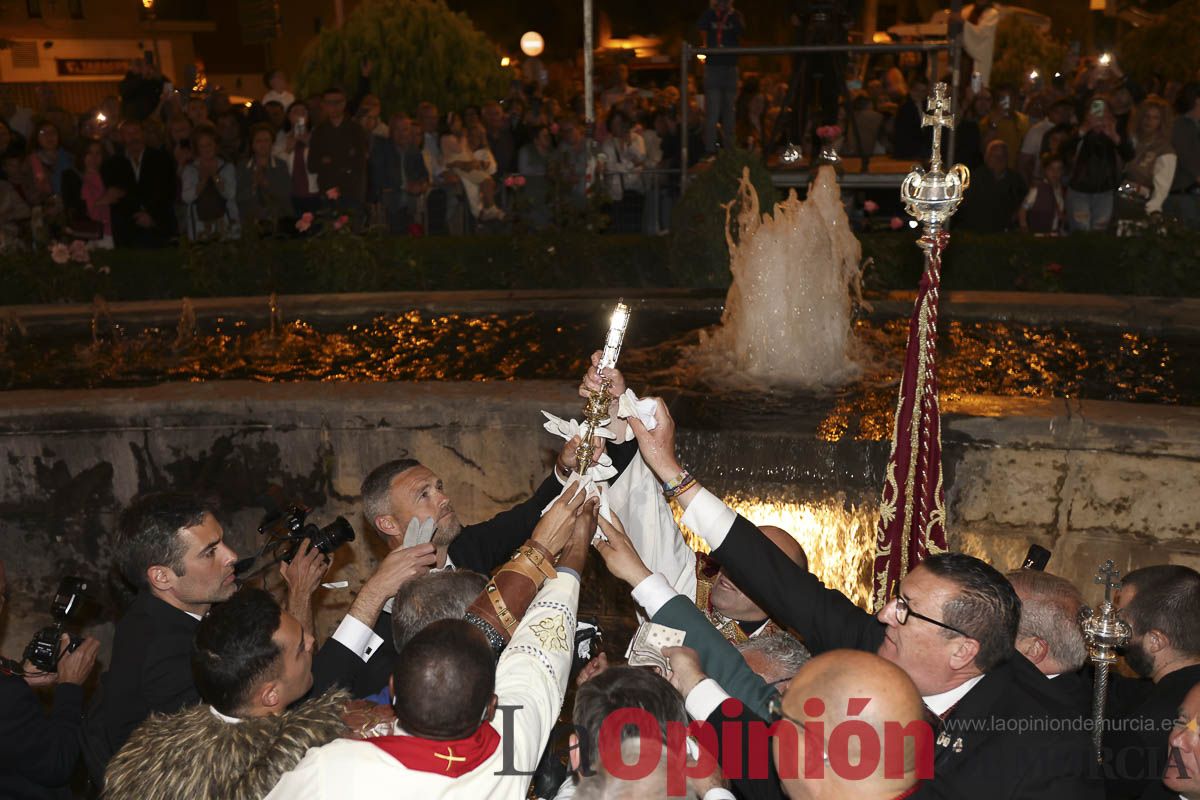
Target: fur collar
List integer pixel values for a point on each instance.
(193, 754)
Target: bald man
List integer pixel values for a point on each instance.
(817, 701)
(727, 607)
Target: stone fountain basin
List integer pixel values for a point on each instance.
(1090, 480)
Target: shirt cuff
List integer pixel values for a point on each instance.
(704, 698)
(568, 571)
(357, 638)
(709, 517)
(718, 793)
(653, 593)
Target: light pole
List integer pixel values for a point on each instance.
(148, 5)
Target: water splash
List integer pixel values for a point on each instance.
(788, 314)
(101, 318)
(275, 315)
(186, 330)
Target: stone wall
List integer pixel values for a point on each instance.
(1088, 480)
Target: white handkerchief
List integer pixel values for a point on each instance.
(628, 405)
(589, 486)
(569, 429)
(419, 531)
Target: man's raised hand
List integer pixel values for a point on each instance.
(619, 554)
(658, 446)
(555, 526)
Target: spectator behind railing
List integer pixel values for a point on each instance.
(1184, 200)
(88, 202)
(144, 216)
(338, 154)
(399, 175)
(209, 190)
(291, 145)
(996, 192)
(1097, 152)
(621, 159)
(263, 184)
(48, 160)
(1044, 209)
(1148, 176)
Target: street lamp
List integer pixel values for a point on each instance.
(532, 43)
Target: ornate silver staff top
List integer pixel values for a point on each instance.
(1105, 633)
(595, 412)
(932, 197)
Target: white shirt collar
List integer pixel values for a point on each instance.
(941, 703)
(1055, 675)
(223, 718)
(196, 617)
(391, 602)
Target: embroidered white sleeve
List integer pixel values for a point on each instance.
(531, 675)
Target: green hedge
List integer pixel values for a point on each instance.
(1167, 266)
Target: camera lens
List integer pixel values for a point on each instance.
(333, 536)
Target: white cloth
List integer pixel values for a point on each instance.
(980, 41)
(628, 405)
(531, 675)
(568, 429)
(223, 718)
(1164, 175)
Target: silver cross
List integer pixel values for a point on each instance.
(938, 116)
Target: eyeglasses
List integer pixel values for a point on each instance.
(903, 612)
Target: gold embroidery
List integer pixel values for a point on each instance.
(552, 633)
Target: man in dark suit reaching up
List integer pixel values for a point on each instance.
(951, 628)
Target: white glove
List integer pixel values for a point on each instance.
(419, 532)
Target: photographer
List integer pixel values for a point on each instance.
(40, 751)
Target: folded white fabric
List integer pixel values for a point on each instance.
(591, 488)
(419, 531)
(628, 405)
(569, 429)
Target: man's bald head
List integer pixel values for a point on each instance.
(825, 690)
(731, 601)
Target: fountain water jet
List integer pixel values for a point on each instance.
(787, 319)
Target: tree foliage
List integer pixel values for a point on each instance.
(1021, 47)
(419, 50)
(1170, 48)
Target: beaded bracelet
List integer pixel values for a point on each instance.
(676, 482)
(678, 486)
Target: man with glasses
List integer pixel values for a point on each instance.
(951, 628)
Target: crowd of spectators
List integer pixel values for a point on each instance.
(1086, 151)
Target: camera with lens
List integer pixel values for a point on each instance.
(44, 651)
(287, 529)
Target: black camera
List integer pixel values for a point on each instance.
(44, 651)
(288, 529)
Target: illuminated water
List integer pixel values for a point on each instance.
(787, 319)
(975, 358)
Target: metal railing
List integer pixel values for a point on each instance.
(952, 46)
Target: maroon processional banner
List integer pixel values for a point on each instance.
(912, 513)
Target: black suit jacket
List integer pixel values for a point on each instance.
(151, 671)
(482, 548)
(151, 190)
(999, 756)
(1136, 742)
(39, 751)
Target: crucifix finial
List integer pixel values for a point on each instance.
(938, 116)
(1107, 575)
